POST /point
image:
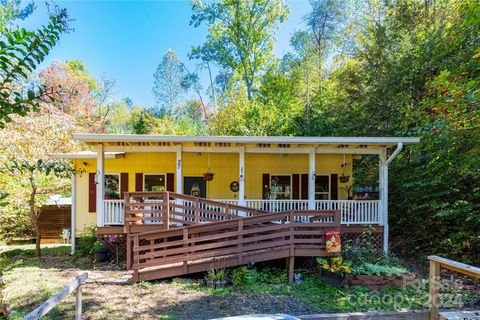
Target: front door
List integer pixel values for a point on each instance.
(195, 186)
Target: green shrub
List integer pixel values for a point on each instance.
(243, 276)
(379, 270)
(16, 224)
(86, 242)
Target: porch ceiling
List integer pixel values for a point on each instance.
(93, 139)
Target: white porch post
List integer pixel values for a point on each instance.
(383, 194)
(179, 188)
(100, 177)
(73, 231)
(311, 179)
(241, 177)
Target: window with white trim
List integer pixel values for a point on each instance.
(280, 187)
(322, 187)
(154, 182)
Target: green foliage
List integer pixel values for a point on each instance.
(15, 224)
(86, 242)
(21, 52)
(378, 270)
(335, 264)
(217, 274)
(240, 36)
(251, 277)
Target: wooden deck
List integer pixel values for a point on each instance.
(171, 234)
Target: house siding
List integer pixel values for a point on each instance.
(224, 165)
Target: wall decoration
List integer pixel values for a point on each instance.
(234, 186)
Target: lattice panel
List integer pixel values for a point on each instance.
(121, 243)
(377, 238)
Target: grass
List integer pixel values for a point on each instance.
(109, 295)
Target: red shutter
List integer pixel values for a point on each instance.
(123, 184)
(304, 183)
(265, 184)
(295, 186)
(170, 182)
(138, 181)
(92, 193)
(334, 186)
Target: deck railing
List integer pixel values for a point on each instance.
(113, 212)
(351, 211)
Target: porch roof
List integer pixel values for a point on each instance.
(134, 138)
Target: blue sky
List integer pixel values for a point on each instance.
(125, 40)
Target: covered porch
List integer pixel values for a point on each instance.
(269, 174)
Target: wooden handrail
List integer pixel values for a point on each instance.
(436, 263)
(51, 303)
(236, 236)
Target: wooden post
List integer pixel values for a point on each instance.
(291, 260)
(197, 211)
(78, 303)
(240, 241)
(129, 252)
(166, 199)
(185, 246)
(434, 290)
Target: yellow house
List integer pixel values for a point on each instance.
(267, 173)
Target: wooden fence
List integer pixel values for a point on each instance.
(436, 264)
(234, 242)
(51, 303)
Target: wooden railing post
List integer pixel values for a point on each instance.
(129, 252)
(126, 207)
(197, 211)
(291, 259)
(240, 241)
(434, 290)
(166, 201)
(78, 303)
(185, 246)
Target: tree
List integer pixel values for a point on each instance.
(74, 89)
(28, 173)
(35, 173)
(167, 87)
(21, 52)
(240, 35)
(10, 10)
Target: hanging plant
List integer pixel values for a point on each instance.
(208, 176)
(344, 178)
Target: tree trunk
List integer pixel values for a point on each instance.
(34, 216)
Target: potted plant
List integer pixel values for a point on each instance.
(334, 270)
(216, 278)
(101, 251)
(208, 176)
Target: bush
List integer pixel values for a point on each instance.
(15, 225)
(243, 276)
(379, 270)
(86, 242)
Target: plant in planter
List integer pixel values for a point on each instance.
(101, 251)
(334, 270)
(216, 278)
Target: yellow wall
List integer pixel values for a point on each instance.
(224, 165)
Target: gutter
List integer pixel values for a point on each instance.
(395, 153)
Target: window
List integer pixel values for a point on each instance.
(154, 182)
(322, 187)
(112, 186)
(280, 187)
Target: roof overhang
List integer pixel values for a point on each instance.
(134, 138)
(86, 155)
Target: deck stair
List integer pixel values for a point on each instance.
(213, 238)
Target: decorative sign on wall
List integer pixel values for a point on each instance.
(333, 241)
(234, 186)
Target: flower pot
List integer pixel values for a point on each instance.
(344, 179)
(102, 255)
(332, 278)
(208, 176)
